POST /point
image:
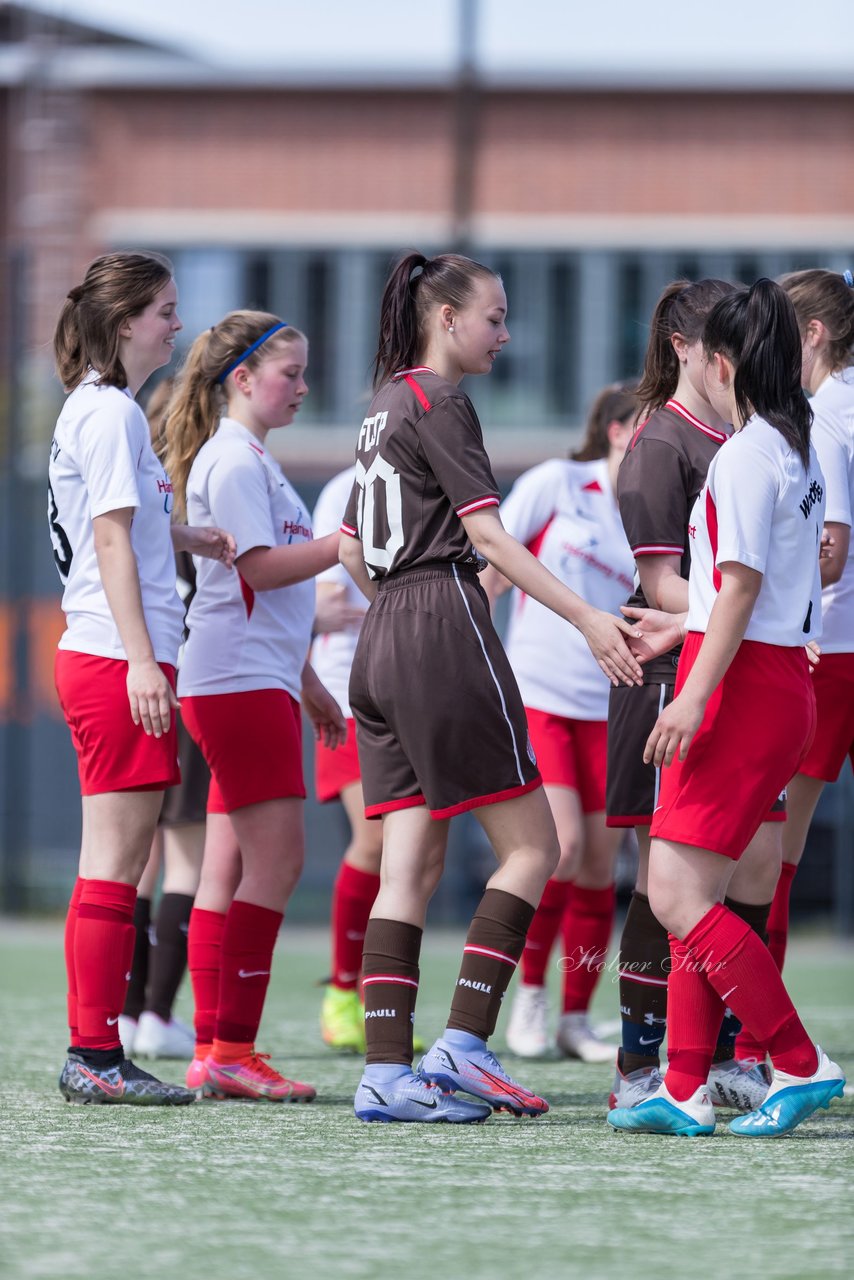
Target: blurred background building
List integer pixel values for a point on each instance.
(589, 181)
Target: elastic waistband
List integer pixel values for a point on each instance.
(429, 572)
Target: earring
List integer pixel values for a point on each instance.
(450, 328)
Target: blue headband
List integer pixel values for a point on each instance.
(259, 342)
(848, 278)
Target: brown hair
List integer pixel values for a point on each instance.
(156, 406)
(682, 308)
(199, 399)
(116, 286)
(825, 296)
(415, 286)
(617, 403)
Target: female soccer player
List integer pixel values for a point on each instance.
(243, 672)
(661, 475)
(565, 512)
(754, 602)
(440, 723)
(110, 505)
(824, 306)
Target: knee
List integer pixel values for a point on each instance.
(570, 857)
(665, 905)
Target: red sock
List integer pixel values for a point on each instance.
(103, 951)
(248, 940)
(543, 931)
(352, 899)
(740, 968)
(586, 929)
(204, 953)
(71, 976)
(778, 917)
(694, 1012)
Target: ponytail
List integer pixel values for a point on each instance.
(416, 285)
(681, 309)
(757, 330)
(199, 400)
(116, 287)
(617, 403)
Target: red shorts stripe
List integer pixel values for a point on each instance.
(391, 806)
(252, 743)
(113, 753)
(755, 732)
(335, 770)
(572, 754)
(479, 801)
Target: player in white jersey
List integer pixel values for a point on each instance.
(110, 507)
(824, 306)
(565, 512)
(741, 722)
(243, 673)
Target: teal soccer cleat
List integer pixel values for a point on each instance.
(661, 1113)
(790, 1100)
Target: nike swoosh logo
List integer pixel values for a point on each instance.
(114, 1090)
(111, 1022)
(253, 973)
(651, 1040)
(431, 1106)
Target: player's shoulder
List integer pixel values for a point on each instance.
(97, 414)
(430, 391)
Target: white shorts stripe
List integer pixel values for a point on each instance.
(494, 678)
(661, 696)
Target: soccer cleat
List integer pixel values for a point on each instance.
(791, 1099)
(577, 1039)
(252, 1077)
(197, 1076)
(125, 1083)
(661, 1113)
(127, 1033)
(158, 1039)
(738, 1083)
(527, 1030)
(411, 1099)
(634, 1086)
(479, 1073)
(342, 1020)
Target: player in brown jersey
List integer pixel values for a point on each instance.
(659, 480)
(440, 722)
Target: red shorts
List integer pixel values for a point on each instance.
(571, 753)
(113, 753)
(335, 770)
(833, 683)
(252, 743)
(758, 725)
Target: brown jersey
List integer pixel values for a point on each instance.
(420, 466)
(658, 483)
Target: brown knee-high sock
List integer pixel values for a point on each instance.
(135, 1000)
(390, 987)
(644, 966)
(168, 957)
(757, 918)
(496, 939)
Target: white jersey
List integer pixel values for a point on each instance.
(101, 460)
(240, 640)
(833, 438)
(758, 508)
(332, 652)
(566, 514)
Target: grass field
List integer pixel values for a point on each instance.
(232, 1190)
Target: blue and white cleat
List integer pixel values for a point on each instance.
(478, 1072)
(661, 1113)
(411, 1099)
(790, 1100)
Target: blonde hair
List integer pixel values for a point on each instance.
(156, 407)
(199, 398)
(824, 295)
(116, 286)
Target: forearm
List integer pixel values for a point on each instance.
(350, 555)
(525, 571)
(662, 583)
(120, 579)
(268, 568)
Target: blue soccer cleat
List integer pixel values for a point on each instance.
(661, 1113)
(410, 1099)
(478, 1072)
(790, 1100)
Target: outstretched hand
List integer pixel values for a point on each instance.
(660, 632)
(209, 542)
(608, 639)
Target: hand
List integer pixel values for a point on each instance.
(661, 631)
(327, 722)
(151, 697)
(606, 636)
(813, 655)
(828, 542)
(674, 731)
(334, 612)
(209, 542)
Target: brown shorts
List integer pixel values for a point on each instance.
(439, 718)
